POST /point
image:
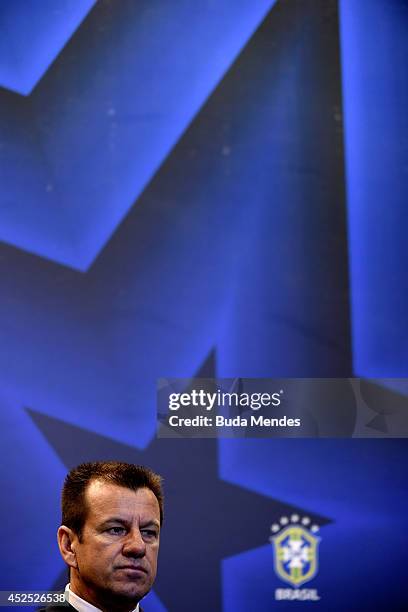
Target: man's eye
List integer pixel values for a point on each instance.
(116, 530)
(149, 533)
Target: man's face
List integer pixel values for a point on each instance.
(116, 557)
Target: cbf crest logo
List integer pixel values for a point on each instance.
(296, 555)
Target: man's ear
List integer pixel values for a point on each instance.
(67, 542)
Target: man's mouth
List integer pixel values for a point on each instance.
(136, 569)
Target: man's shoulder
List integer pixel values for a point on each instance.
(63, 608)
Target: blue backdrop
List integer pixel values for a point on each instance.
(216, 189)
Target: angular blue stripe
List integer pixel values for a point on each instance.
(374, 43)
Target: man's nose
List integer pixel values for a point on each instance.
(134, 544)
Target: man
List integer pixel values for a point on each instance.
(112, 513)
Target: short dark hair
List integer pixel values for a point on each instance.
(128, 475)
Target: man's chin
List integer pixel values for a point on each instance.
(131, 589)
(121, 597)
